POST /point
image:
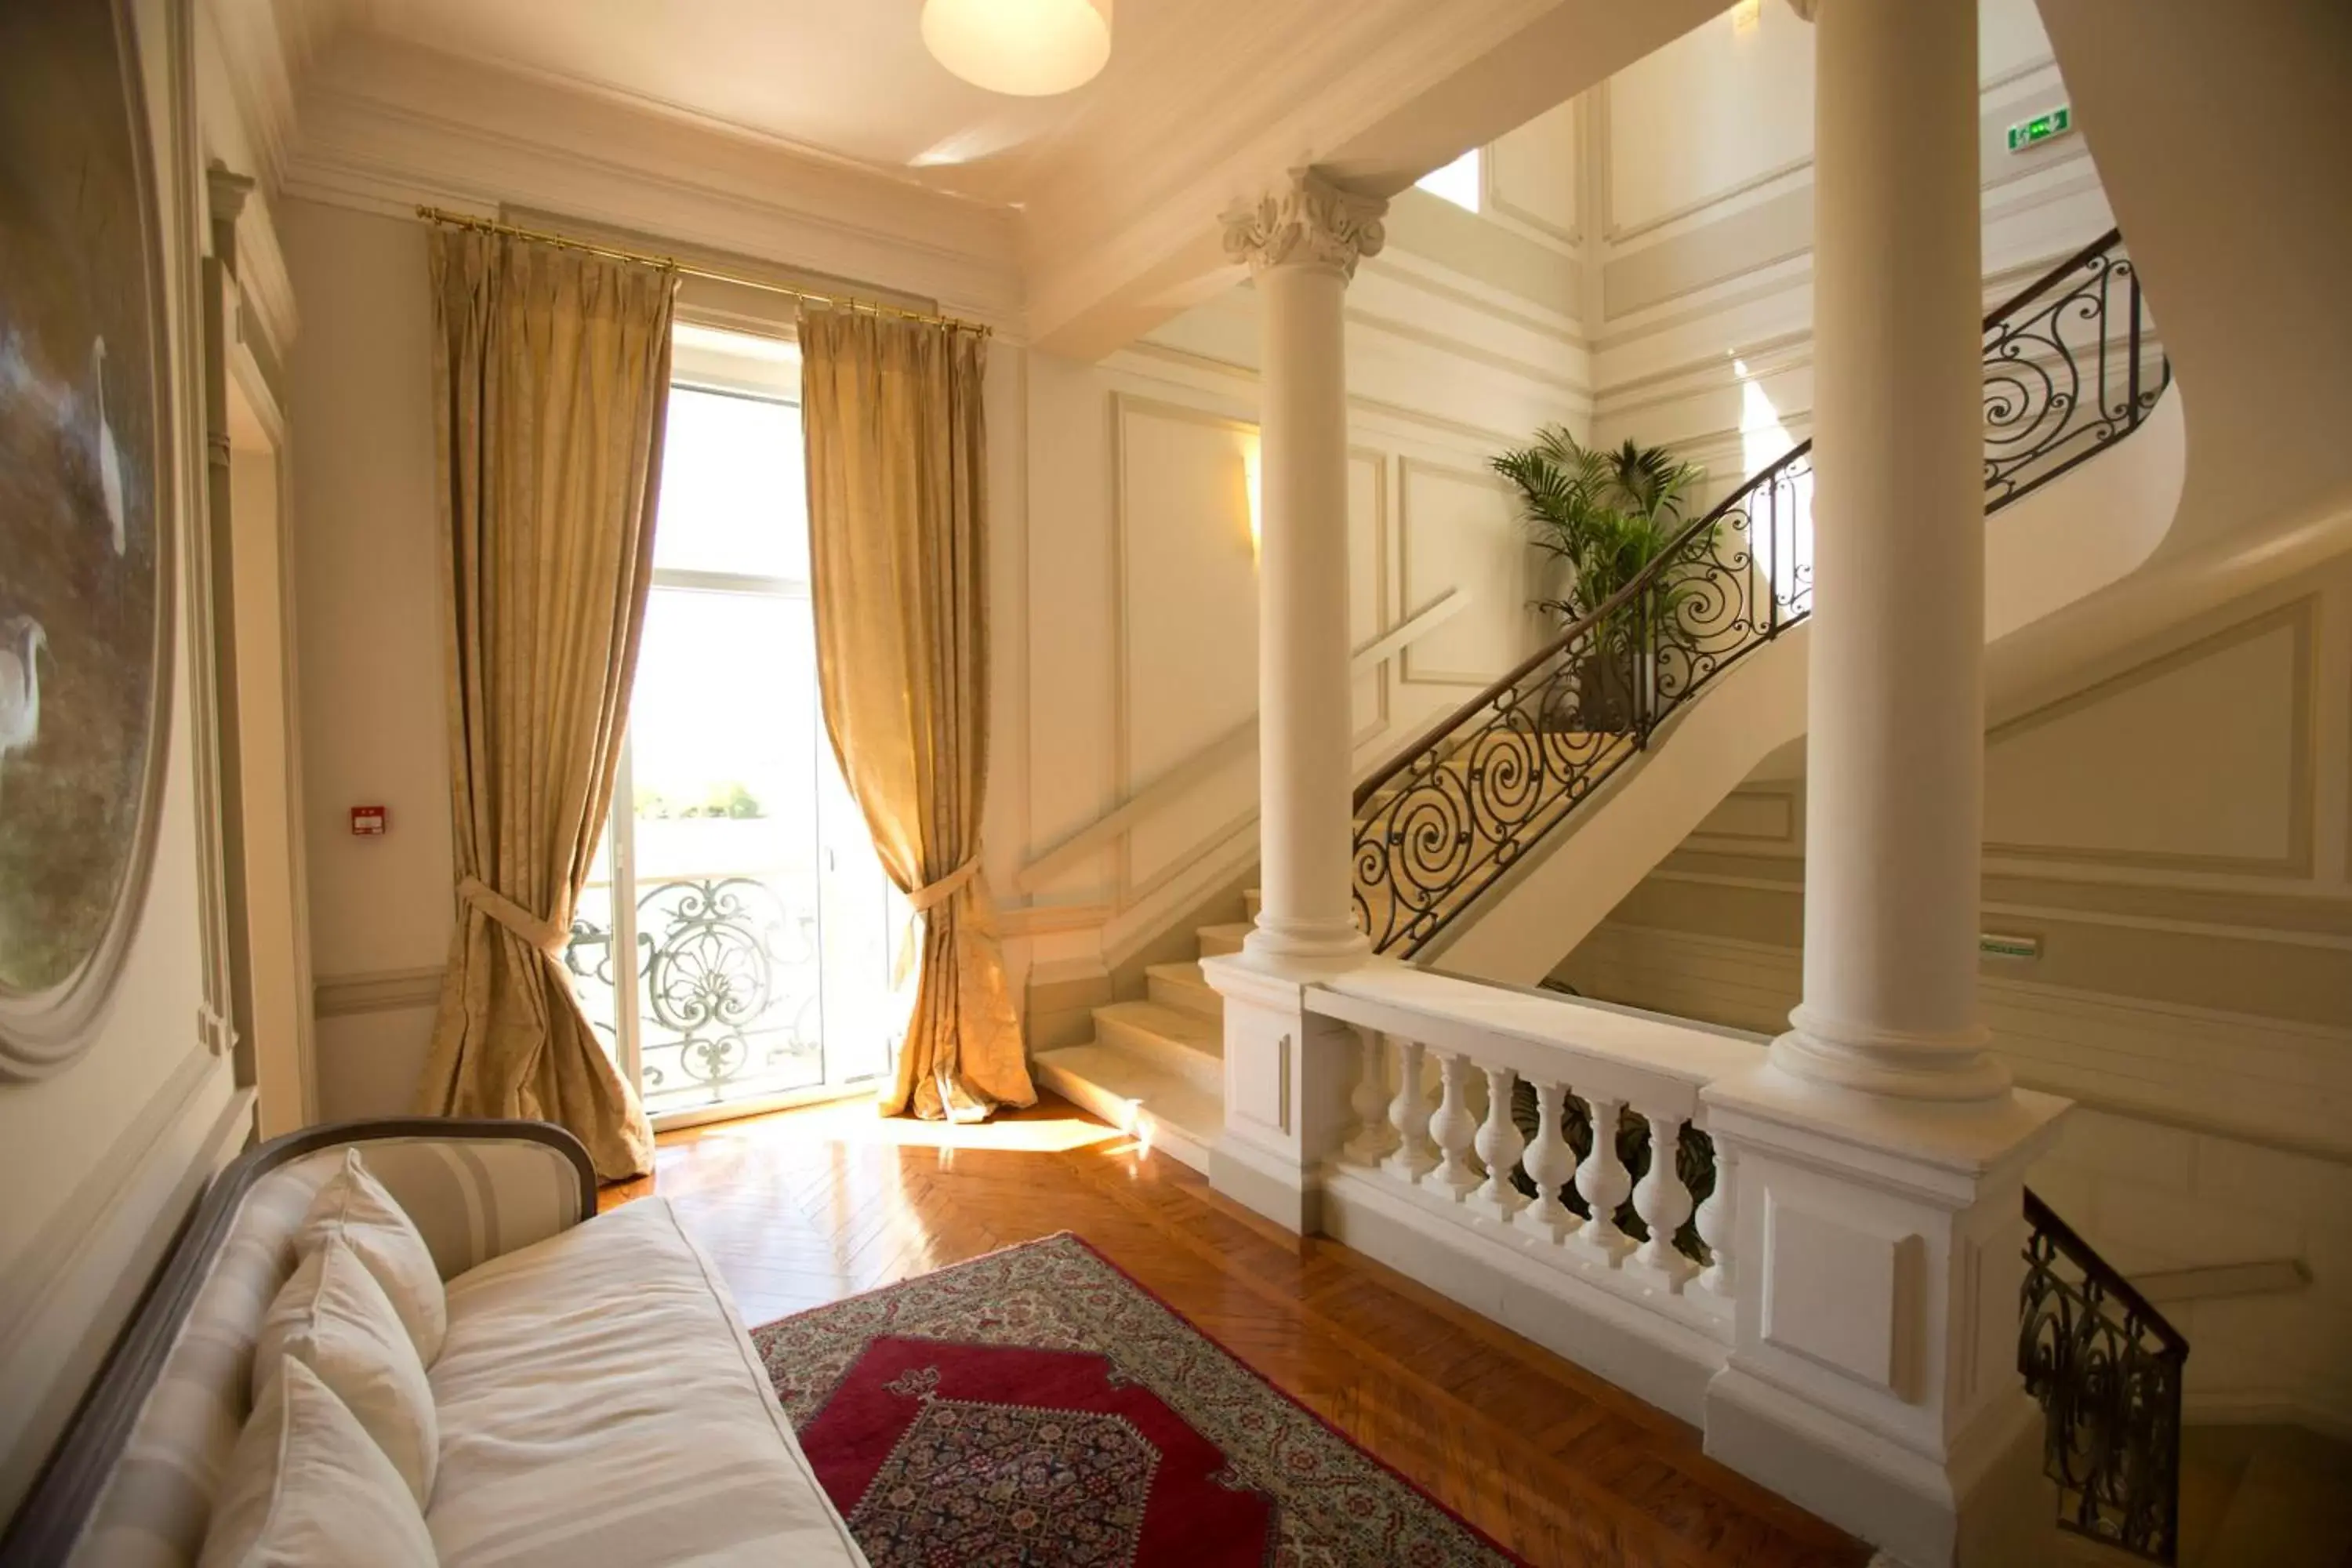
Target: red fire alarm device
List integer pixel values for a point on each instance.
(368, 821)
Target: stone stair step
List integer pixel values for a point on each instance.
(2292, 1504)
(1252, 901)
(1184, 1043)
(1183, 987)
(1157, 1108)
(1222, 939)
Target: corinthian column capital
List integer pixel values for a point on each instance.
(1305, 222)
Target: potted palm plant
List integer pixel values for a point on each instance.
(1607, 514)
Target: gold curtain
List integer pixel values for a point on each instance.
(550, 369)
(898, 545)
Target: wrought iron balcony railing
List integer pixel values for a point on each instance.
(2070, 367)
(2106, 1368)
(727, 985)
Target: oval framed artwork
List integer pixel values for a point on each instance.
(86, 507)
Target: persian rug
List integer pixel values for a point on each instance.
(1037, 1407)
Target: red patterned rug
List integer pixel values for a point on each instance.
(1037, 1407)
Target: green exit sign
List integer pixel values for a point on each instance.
(2041, 127)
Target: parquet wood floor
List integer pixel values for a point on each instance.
(807, 1207)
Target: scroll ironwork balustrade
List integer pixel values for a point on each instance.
(726, 975)
(2070, 367)
(2107, 1367)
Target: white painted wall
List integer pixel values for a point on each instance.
(372, 713)
(102, 1158)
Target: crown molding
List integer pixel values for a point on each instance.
(388, 125)
(267, 47)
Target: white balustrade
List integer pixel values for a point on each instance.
(1716, 1217)
(1408, 1115)
(1549, 1164)
(1464, 1170)
(1374, 1137)
(1663, 1202)
(1603, 1182)
(1500, 1143)
(1454, 1128)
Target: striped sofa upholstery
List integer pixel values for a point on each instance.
(474, 1197)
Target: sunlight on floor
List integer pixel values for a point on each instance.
(1041, 1131)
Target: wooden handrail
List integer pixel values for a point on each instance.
(1234, 744)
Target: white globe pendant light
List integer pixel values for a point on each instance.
(1030, 48)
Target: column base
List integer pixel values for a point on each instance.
(1987, 1506)
(1287, 1076)
(1892, 1063)
(1305, 948)
(1879, 1245)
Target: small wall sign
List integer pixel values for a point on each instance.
(1997, 946)
(2041, 127)
(368, 821)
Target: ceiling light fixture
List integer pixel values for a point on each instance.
(1030, 48)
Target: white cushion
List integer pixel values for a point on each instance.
(600, 1402)
(307, 1486)
(334, 1318)
(355, 1207)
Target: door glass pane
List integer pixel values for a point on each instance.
(723, 798)
(738, 939)
(733, 494)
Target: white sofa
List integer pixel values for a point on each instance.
(600, 1403)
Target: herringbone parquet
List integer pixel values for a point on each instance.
(808, 1206)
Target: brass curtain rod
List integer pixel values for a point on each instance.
(689, 269)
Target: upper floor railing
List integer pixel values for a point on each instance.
(2070, 367)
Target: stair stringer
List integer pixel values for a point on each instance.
(2086, 531)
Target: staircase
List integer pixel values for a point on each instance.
(1488, 811)
(1481, 841)
(1156, 1067)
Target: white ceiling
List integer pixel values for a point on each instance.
(846, 77)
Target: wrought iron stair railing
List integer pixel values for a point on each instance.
(2070, 368)
(2106, 1368)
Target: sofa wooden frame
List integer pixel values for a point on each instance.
(50, 1519)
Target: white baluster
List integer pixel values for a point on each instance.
(1604, 1181)
(1454, 1127)
(1499, 1143)
(1663, 1202)
(1409, 1114)
(1550, 1162)
(1374, 1137)
(1715, 1221)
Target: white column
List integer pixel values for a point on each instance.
(1871, 1175)
(1894, 752)
(1302, 242)
(1287, 1071)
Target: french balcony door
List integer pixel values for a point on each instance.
(735, 950)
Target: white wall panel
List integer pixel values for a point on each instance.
(1461, 529)
(1531, 174)
(1718, 108)
(2200, 757)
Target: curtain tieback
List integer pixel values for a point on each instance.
(545, 935)
(932, 894)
